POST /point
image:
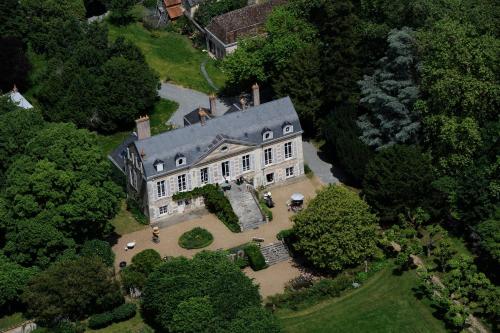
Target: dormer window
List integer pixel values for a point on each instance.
(287, 128)
(180, 160)
(159, 165)
(224, 149)
(267, 134)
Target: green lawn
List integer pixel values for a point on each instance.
(134, 325)
(11, 320)
(171, 55)
(385, 304)
(124, 222)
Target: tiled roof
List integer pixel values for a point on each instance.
(169, 3)
(246, 21)
(174, 12)
(197, 140)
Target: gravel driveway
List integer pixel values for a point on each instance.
(188, 100)
(323, 170)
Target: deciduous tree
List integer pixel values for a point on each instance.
(72, 290)
(336, 230)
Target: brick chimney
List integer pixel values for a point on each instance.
(256, 94)
(213, 105)
(143, 127)
(203, 116)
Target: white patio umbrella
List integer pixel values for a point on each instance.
(297, 197)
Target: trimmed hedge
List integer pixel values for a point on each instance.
(216, 203)
(255, 257)
(196, 238)
(121, 313)
(265, 209)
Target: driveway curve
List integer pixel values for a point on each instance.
(323, 170)
(188, 100)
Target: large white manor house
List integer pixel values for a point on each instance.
(261, 143)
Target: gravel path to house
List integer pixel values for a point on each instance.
(206, 76)
(272, 279)
(323, 170)
(187, 99)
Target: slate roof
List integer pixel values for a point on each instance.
(197, 141)
(19, 100)
(117, 156)
(246, 21)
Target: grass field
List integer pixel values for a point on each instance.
(11, 320)
(124, 222)
(172, 56)
(385, 304)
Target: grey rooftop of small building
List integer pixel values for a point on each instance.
(196, 141)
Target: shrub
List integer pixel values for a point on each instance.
(216, 203)
(307, 170)
(136, 212)
(196, 238)
(255, 257)
(121, 313)
(284, 234)
(100, 320)
(124, 312)
(266, 210)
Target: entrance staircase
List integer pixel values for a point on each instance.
(245, 206)
(274, 253)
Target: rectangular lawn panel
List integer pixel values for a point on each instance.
(386, 303)
(171, 55)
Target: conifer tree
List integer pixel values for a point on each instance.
(390, 94)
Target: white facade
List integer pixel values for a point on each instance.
(267, 164)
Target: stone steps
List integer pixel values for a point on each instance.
(245, 207)
(274, 253)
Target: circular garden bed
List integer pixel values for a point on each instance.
(196, 238)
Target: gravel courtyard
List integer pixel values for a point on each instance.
(272, 279)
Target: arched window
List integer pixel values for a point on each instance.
(180, 160)
(287, 128)
(267, 134)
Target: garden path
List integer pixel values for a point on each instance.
(322, 169)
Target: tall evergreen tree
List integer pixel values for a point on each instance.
(301, 81)
(337, 26)
(390, 94)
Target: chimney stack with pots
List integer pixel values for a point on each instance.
(213, 105)
(203, 116)
(256, 94)
(143, 127)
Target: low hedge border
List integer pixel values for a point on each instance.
(121, 313)
(298, 297)
(216, 203)
(255, 257)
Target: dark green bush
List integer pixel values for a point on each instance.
(216, 203)
(124, 312)
(100, 249)
(265, 209)
(196, 238)
(136, 211)
(255, 257)
(121, 313)
(100, 320)
(284, 234)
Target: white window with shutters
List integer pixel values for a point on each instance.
(245, 163)
(182, 183)
(160, 189)
(204, 176)
(268, 156)
(288, 150)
